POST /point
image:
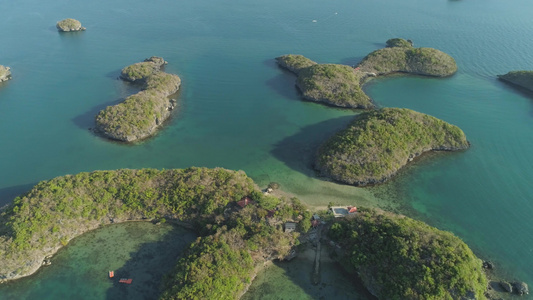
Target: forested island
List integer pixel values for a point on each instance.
(340, 85)
(141, 114)
(521, 78)
(67, 25)
(240, 229)
(400, 258)
(5, 73)
(238, 238)
(378, 143)
(332, 84)
(400, 56)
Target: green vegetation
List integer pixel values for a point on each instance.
(143, 70)
(5, 74)
(400, 56)
(336, 85)
(340, 85)
(397, 42)
(400, 258)
(294, 63)
(69, 25)
(219, 265)
(378, 143)
(520, 78)
(141, 114)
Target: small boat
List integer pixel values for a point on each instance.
(125, 280)
(111, 274)
(314, 21)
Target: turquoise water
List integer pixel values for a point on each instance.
(238, 110)
(138, 250)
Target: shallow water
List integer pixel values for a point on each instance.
(141, 251)
(238, 110)
(292, 280)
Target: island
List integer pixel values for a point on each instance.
(520, 78)
(378, 143)
(332, 84)
(397, 257)
(5, 73)
(401, 57)
(240, 228)
(141, 114)
(68, 25)
(341, 85)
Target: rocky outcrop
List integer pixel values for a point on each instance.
(521, 288)
(520, 78)
(142, 114)
(67, 25)
(5, 74)
(506, 286)
(140, 71)
(377, 144)
(294, 63)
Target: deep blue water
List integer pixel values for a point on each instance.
(238, 110)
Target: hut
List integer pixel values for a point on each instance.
(290, 226)
(245, 201)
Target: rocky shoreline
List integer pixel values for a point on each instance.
(142, 114)
(69, 25)
(5, 73)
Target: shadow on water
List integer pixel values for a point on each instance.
(114, 74)
(8, 194)
(298, 151)
(285, 83)
(513, 88)
(86, 120)
(148, 265)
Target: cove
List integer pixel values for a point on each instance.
(139, 250)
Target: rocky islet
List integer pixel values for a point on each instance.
(140, 115)
(68, 25)
(5, 73)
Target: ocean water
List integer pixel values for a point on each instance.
(238, 110)
(141, 251)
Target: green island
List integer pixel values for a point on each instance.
(378, 143)
(239, 239)
(401, 57)
(5, 73)
(67, 25)
(397, 257)
(332, 84)
(341, 85)
(141, 114)
(240, 230)
(521, 78)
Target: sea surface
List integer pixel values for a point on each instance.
(238, 110)
(141, 251)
